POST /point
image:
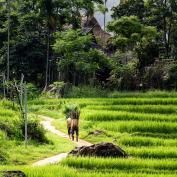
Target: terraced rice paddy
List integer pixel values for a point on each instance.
(145, 127)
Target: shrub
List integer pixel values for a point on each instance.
(85, 91)
(124, 76)
(11, 127)
(2, 156)
(33, 91)
(35, 131)
(8, 105)
(172, 80)
(154, 78)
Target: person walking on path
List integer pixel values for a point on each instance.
(75, 123)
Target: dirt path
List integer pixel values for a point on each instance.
(47, 124)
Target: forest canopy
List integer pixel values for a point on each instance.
(48, 41)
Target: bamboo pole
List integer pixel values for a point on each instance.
(26, 114)
(21, 89)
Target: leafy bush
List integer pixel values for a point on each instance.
(123, 76)
(2, 157)
(86, 91)
(33, 91)
(153, 78)
(6, 104)
(11, 127)
(35, 131)
(172, 80)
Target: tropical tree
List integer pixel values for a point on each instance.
(131, 34)
(78, 61)
(130, 8)
(159, 13)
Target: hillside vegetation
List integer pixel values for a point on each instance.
(144, 125)
(12, 146)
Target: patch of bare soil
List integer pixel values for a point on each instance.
(99, 150)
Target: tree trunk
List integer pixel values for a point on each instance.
(165, 35)
(168, 40)
(8, 43)
(4, 87)
(47, 61)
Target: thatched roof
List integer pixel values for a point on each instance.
(90, 24)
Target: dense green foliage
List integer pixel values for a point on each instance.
(78, 61)
(50, 42)
(32, 25)
(144, 31)
(161, 14)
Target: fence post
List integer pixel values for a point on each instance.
(26, 114)
(21, 89)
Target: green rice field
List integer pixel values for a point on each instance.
(144, 125)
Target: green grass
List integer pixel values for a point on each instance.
(18, 154)
(69, 171)
(161, 109)
(129, 165)
(139, 141)
(102, 115)
(158, 152)
(138, 126)
(143, 124)
(12, 146)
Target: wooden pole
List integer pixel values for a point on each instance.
(26, 114)
(47, 61)
(21, 89)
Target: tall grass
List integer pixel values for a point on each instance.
(107, 101)
(139, 141)
(65, 171)
(148, 94)
(102, 115)
(161, 109)
(121, 164)
(137, 126)
(158, 152)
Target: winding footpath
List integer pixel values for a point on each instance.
(47, 124)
